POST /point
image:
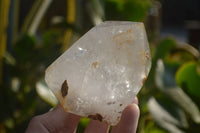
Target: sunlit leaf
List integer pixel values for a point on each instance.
(166, 114)
(188, 79)
(84, 121)
(45, 93)
(164, 75)
(165, 80)
(82, 124)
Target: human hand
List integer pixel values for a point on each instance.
(58, 121)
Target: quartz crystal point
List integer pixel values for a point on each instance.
(101, 73)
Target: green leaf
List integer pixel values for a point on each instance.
(167, 115)
(164, 75)
(131, 10)
(84, 121)
(152, 128)
(165, 80)
(24, 48)
(188, 79)
(162, 50)
(164, 47)
(136, 10)
(185, 102)
(82, 124)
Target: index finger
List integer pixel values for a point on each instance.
(129, 119)
(54, 121)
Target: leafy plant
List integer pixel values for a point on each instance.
(176, 77)
(130, 10)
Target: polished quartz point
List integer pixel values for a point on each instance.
(102, 72)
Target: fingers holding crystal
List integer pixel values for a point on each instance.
(136, 100)
(54, 121)
(95, 126)
(129, 120)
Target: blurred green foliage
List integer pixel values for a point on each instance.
(168, 101)
(188, 78)
(174, 80)
(130, 10)
(18, 97)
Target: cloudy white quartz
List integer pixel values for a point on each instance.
(101, 73)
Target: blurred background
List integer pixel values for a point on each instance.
(33, 33)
